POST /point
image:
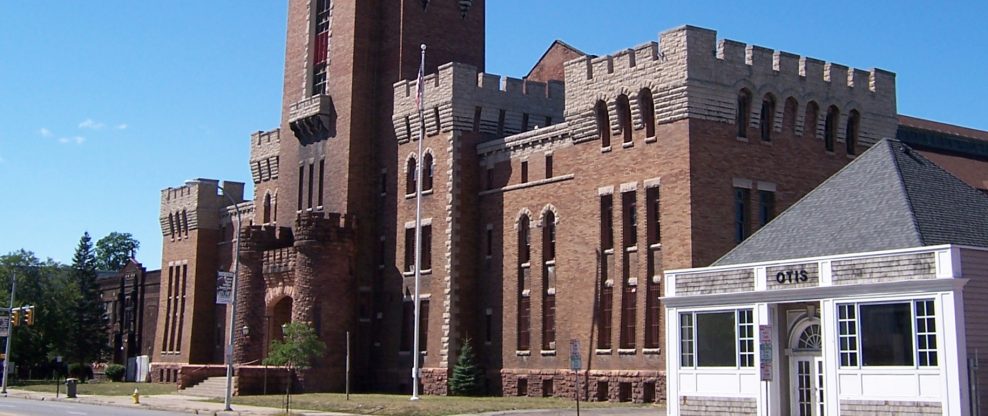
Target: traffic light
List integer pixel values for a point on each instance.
(29, 315)
(15, 317)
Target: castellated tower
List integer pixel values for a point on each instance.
(194, 218)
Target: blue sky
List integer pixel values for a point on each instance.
(104, 103)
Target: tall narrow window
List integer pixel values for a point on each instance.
(810, 119)
(624, 117)
(524, 171)
(476, 118)
(789, 116)
(301, 185)
(320, 47)
(171, 225)
(500, 123)
(411, 170)
(652, 307)
(606, 222)
(524, 121)
(427, 247)
(382, 182)
(322, 172)
(436, 119)
(744, 110)
(490, 178)
(424, 325)
(603, 123)
(489, 251)
(652, 211)
(630, 207)
(647, 107)
(427, 168)
(766, 207)
(524, 298)
(185, 222)
(407, 325)
(851, 132)
(410, 249)
(548, 276)
(628, 318)
(267, 208)
(548, 166)
(742, 197)
(767, 118)
(830, 128)
(653, 328)
(549, 236)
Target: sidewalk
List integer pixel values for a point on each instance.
(169, 402)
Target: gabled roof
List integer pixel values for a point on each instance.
(550, 64)
(890, 197)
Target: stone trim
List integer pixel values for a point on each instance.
(545, 181)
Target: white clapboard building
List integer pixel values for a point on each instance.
(867, 297)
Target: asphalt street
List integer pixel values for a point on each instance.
(11, 406)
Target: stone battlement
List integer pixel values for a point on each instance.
(278, 260)
(264, 160)
(453, 95)
(331, 227)
(196, 204)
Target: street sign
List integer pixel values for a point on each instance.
(224, 287)
(4, 326)
(575, 360)
(765, 357)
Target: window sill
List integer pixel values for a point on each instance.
(609, 250)
(551, 291)
(632, 281)
(627, 351)
(656, 246)
(548, 353)
(651, 351)
(650, 139)
(609, 283)
(626, 145)
(657, 279)
(412, 273)
(605, 149)
(603, 351)
(427, 192)
(766, 142)
(631, 249)
(742, 139)
(410, 196)
(523, 353)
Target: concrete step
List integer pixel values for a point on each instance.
(210, 387)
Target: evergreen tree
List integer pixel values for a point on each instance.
(466, 374)
(88, 334)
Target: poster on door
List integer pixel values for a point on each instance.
(765, 348)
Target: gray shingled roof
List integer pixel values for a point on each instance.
(889, 197)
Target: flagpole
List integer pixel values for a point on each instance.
(416, 371)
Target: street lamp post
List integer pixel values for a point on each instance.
(233, 303)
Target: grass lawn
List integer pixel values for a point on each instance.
(101, 389)
(384, 404)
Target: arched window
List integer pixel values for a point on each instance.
(851, 132)
(767, 118)
(524, 240)
(789, 116)
(171, 225)
(549, 236)
(410, 176)
(744, 110)
(647, 106)
(185, 222)
(830, 128)
(810, 120)
(427, 169)
(603, 123)
(267, 208)
(624, 117)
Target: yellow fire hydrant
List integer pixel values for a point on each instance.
(136, 396)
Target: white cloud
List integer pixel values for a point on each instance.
(91, 124)
(122, 126)
(74, 139)
(44, 132)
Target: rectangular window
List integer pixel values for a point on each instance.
(524, 171)
(320, 47)
(847, 335)
(488, 327)
(604, 320)
(500, 123)
(717, 339)
(424, 325)
(606, 222)
(301, 185)
(652, 216)
(426, 247)
(312, 176)
(766, 207)
(628, 316)
(926, 333)
(524, 121)
(410, 249)
(383, 182)
(524, 317)
(322, 168)
(653, 309)
(742, 199)
(490, 178)
(548, 166)
(886, 334)
(407, 325)
(549, 322)
(630, 208)
(476, 118)
(686, 354)
(490, 242)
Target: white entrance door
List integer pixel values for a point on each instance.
(806, 373)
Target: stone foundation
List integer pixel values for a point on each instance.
(614, 386)
(435, 381)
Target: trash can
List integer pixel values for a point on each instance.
(70, 387)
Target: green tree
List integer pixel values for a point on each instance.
(115, 250)
(465, 380)
(299, 346)
(88, 334)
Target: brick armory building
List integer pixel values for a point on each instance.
(551, 204)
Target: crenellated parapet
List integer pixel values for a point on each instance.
(198, 204)
(264, 158)
(315, 227)
(459, 97)
(691, 75)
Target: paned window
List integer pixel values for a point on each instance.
(766, 207)
(892, 334)
(742, 197)
(717, 339)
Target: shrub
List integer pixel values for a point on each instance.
(80, 371)
(115, 372)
